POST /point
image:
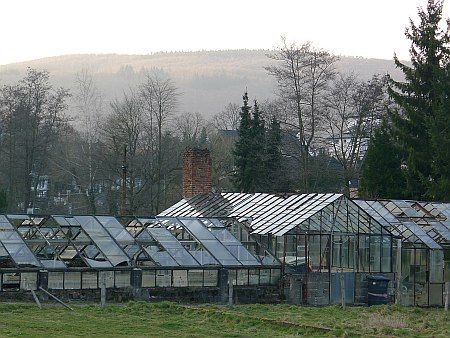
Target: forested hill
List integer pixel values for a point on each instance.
(208, 80)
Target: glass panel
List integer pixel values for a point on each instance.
(162, 258)
(148, 278)
(180, 278)
(436, 266)
(351, 251)
(53, 263)
(15, 245)
(207, 239)
(11, 281)
(72, 280)
(407, 277)
(235, 247)
(279, 246)
(301, 259)
(195, 277)
(28, 280)
(375, 250)
(232, 275)
(386, 254)
(107, 277)
(89, 280)
(264, 276)
(344, 252)
(113, 226)
(204, 258)
(122, 279)
(55, 280)
(242, 277)
(103, 240)
(172, 246)
(97, 264)
(420, 277)
(253, 276)
(210, 277)
(275, 275)
(163, 278)
(363, 253)
(314, 251)
(337, 251)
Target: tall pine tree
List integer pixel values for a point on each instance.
(440, 140)
(419, 96)
(3, 201)
(242, 149)
(274, 157)
(381, 175)
(257, 152)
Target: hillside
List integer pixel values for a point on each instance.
(208, 80)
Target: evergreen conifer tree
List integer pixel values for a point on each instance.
(382, 176)
(3, 201)
(274, 157)
(419, 96)
(242, 149)
(440, 140)
(257, 151)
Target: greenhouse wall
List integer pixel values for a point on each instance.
(176, 284)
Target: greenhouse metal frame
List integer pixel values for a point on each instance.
(424, 228)
(331, 233)
(81, 251)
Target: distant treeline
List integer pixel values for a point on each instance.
(208, 80)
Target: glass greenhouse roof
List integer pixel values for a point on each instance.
(104, 242)
(425, 223)
(14, 246)
(278, 215)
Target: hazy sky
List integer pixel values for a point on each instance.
(31, 29)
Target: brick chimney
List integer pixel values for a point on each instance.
(196, 172)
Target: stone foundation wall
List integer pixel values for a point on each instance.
(318, 289)
(242, 295)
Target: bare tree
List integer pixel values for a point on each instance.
(123, 131)
(353, 109)
(34, 113)
(228, 118)
(9, 136)
(303, 74)
(190, 128)
(160, 98)
(80, 158)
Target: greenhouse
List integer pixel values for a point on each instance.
(85, 252)
(325, 232)
(325, 237)
(313, 249)
(424, 228)
(319, 238)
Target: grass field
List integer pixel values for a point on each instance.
(174, 320)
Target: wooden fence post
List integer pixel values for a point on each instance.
(447, 295)
(398, 273)
(230, 290)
